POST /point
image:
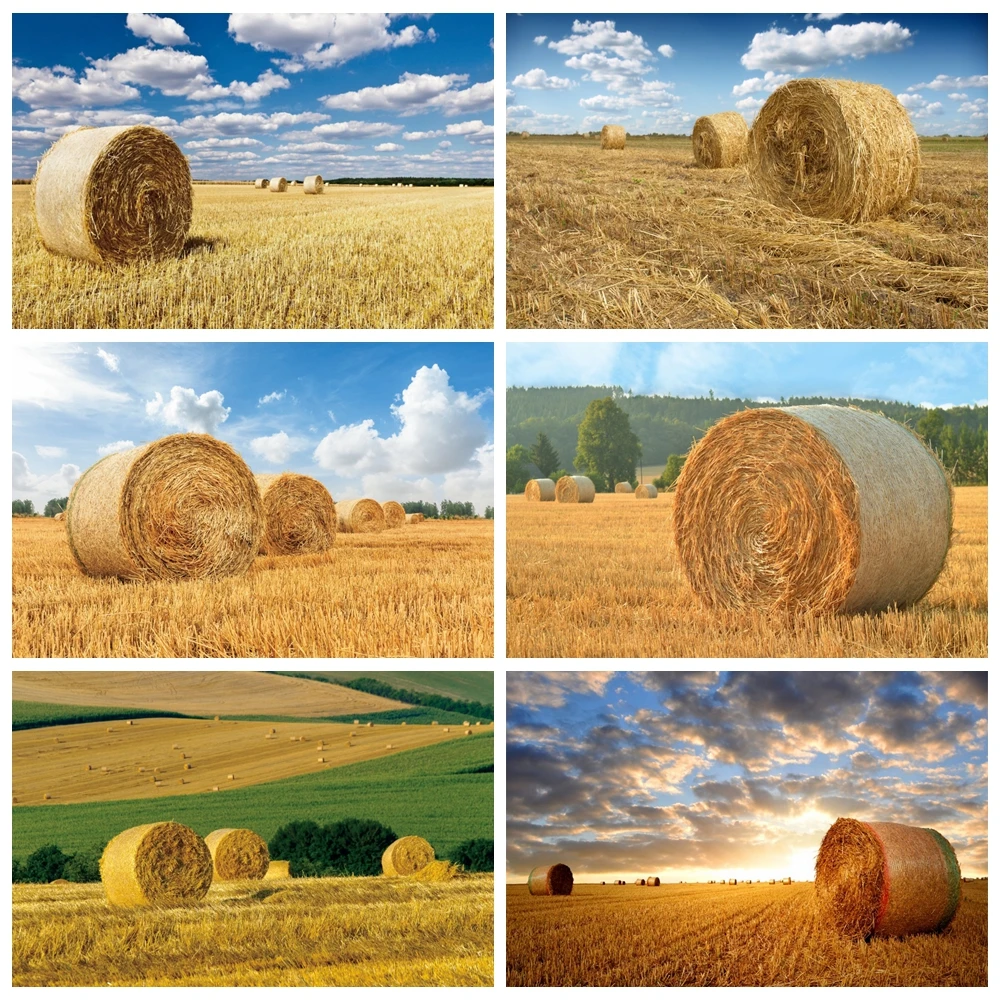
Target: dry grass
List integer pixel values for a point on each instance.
(636, 602)
(717, 935)
(403, 257)
(646, 239)
(285, 932)
(426, 591)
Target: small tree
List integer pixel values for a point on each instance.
(607, 450)
(300, 843)
(84, 866)
(475, 855)
(356, 846)
(670, 472)
(518, 475)
(23, 507)
(544, 456)
(44, 865)
(55, 506)
(489, 514)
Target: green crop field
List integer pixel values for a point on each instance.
(35, 714)
(465, 685)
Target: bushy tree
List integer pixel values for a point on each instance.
(475, 855)
(44, 865)
(607, 450)
(670, 472)
(518, 474)
(347, 847)
(300, 843)
(84, 866)
(429, 510)
(489, 514)
(544, 456)
(17, 875)
(22, 507)
(55, 506)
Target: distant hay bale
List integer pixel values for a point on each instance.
(732, 881)
(720, 140)
(320, 760)
(277, 869)
(389, 746)
(403, 723)
(261, 183)
(886, 879)
(770, 881)
(653, 880)
(550, 880)
(313, 184)
(113, 195)
(183, 507)
(640, 881)
(575, 489)
(129, 722)
(60, 881)
(237, 854)
(812, 509)
(613, 137)
(360, 516)
(836, 149)
(540, 490)
(369, 725)
(645, 491)
(59, 516)
(187, 767)
(300, 517)
(786, 881)
(414, 518)
(357, 722)
(623, 487)
(447, 729)
(277, 184)
(156, 863)
(406, 855)
(231, 777)
(434, 722)
(395, 515)
(524, 135)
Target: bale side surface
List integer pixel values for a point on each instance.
(278, 869)
(653, 880)
(720, 140)
(362, 515)
(540, 490)
(623, 487)
(406, 856)
(613, 137)
(575, 489)
(261, 183)
(299, 515)
(550, 880)
(237, 854)
(395, 515)
(646, 491)
(277, 184)
(313, 184)
(414, 518)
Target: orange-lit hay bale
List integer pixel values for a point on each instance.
(550, 880)
(434, 722)
(720, 140)
(395, 515)
(786, 881)
(613, 137)
(414, 518)
(183, 507)
(653, 880)
(540, 490)
(770, 881)
(277, 184)
(278, 869)
(261, 183)
(113, 195)
(360, 516)
(640, 881)
(814, 509)
(575, 489)
(187, 767)
(886, 879)
(299, 515)
(836, 149)
(732, 881)
(623, 487)
(237, 854)
(313, 184)
(406, 856)
(157, 863)
(646, 491)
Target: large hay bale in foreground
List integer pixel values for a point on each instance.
(359, 516)
(406, 856)
(183, 507)
(646, 491)
(299, 515)
(237, 855)
(395, 515)
(414, 518)
(613, 137)
(836, 149)
(623, 487)
(575, 489)
(550, 880)
(113, 195)
(540, 490)
(720, 140)
(157, 863)
(653, 880)
(886, 879)
(278, 869)
(814, 509)
(313, 184)
(277, 184)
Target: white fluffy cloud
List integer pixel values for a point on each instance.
(777, 49)
(540, 39)
(761, 84)
(277, 448)
(919, 107)
(944, 82)
(591, 36)
(418, 92)
(188, 411)
(41, 487)
(49, 451)
(110, 360)
(667, 51)
(538, 79)
(162, 30)
(41, 87)
(113, 447)
(271, 397)
(823, 17)
(388, 147)
(357, 129)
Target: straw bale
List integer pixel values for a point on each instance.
(59, 516)
(369, 725)
(313, 184)
(395, 516)
(732, 881)
(320, 760)
(653, 880)
(215, 788)
(836, 149)
(59, 881)
(811, 509)
(388, 746)
(156, 863)
(113, 195)
(362, 515)
(575, 489)
(640, 881)
(550, 880)
(886, 879)
(613, 137)
(524, 135)
(720, 140)
(183, 507)
(237, 854)
(540, 490)
(434, 722)
(786, 881)
(299, 515)
(447, 729)
(770, 881)
(231, 777)
(403, 723)
(357, 722)
(414, 518)
(436, 871)
(623, 487)
(46, 796)
(277, 184)
(129, 722)
(646, 491)
(277, 869)
(261, 183)
(406, 855)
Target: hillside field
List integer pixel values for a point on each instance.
(463, 685)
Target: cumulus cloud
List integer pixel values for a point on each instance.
(538, 79)
(278, 448)
(540, 39)
(823, 17)
(113, 447)
(761, 84)
(919, 107)
(162, 30)
(110, 360)
(778, 49)
(389, 147)
(356, 129)
(667, 51)
(944, 82)
(591, 36)
(189, 411)
(41, 87)
(414, 93)
(49, 451)
(56, 484)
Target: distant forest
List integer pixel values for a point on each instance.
(669, 425)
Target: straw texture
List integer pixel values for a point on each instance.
(812, 509)
(550, 880)
(540, 490)
(720, 140)
(395, 515)
(646, 491)
(278, 869)
(299, 515)
(575, 489)
(613, 137)
(834, 149)
(237, 854)
(277, 184)
(406, 855)
(183, 507)
(113, 195)
(623, 487)
(313, 184)
(359, 516)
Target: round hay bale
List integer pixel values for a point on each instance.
(299, 515)
(653, 880)
(59, 881)
(434, 722)
(640, 881)
(59, 516)
(524, 135)
(814, 509)
(261, 183)
(157, 863)
(360, 516)
(183, 507)
(395, 515)
(720, 140)
(786, 881)
(623, 487)
(770, 881)
(237, 854)
(540, 490)
(277, 869)
(277, 184)
(406, 856)
(613, 137)
(646, 491)
(732, 881)
(575, 489)
(836, 149)
(886, 879)
(369, 725)
(550, 880)
(113, 195)
(414, 518)
(313, 184)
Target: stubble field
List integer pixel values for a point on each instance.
(351, 258)
(643, 238)
(603, 579)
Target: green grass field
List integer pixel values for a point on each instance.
(36, 714)
(465, 685)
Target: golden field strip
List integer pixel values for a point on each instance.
(423, 590)
(720, 935)
(645, 238)
(371, 257)
(603, 579)
(142, 763)
(285, 932)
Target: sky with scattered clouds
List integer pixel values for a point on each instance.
(660, 72)
(260, 95)
(397, 421)
(695, 776)
(926, 374)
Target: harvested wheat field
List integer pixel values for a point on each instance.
(620, 591)
(285, 932)
(720, 935)
(648, 239)
(359, 257)
(426, 591)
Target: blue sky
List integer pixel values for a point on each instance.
(926, 374)
(397, 421)
(660, 72)
(693, 776)
(258, 95)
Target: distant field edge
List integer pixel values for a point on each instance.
(39, 714)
